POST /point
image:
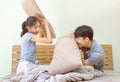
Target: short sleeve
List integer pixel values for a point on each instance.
(28, 36)
(96, 57)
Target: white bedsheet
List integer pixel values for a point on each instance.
(109, 76)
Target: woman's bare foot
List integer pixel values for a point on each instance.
(20, 73)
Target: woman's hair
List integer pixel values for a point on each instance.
(30, 21)
(84, 31)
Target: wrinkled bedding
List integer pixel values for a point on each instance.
(85, 73)
(38, 75)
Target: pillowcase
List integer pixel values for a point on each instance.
(66, 55)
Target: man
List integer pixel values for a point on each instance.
(93, 52)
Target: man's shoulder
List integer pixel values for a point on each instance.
(97, 46)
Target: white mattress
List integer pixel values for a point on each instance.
(110, 76)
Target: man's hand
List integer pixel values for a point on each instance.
(86, 62)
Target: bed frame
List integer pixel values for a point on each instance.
(44, 54)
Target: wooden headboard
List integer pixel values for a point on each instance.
(44, 54)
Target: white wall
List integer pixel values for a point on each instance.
(64, 15)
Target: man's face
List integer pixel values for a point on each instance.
(81, 41)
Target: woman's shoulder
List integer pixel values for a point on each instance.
(27, 36)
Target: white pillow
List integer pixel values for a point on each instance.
(66, 56)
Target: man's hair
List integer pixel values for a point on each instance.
(84, 31)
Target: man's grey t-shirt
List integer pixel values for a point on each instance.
(95, 55)
(28, 48)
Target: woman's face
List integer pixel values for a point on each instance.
(35, 28)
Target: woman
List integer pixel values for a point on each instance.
(29, 34)
(32, 9)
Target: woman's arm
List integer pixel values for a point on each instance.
(32, 9)
(47, 39)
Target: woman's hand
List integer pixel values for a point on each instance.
(45, 22)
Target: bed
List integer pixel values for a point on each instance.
(44, 54)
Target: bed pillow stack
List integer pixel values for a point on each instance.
(66, 56)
